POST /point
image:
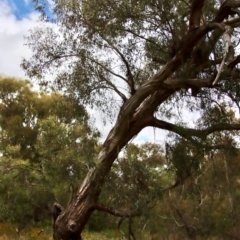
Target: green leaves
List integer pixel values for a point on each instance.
(135, 178)
(46, 146)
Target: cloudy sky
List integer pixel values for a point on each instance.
(17, 17)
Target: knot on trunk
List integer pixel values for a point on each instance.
(72, 226)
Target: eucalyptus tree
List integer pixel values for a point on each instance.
(202, 203)
(43, 144)
(138, 61)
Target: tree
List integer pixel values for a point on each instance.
(139, 58)
(44, 138)
(201, 202)
(133, 184)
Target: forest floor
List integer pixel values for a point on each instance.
(8, 232)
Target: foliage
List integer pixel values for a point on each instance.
(46, 147)
(107, 49)
(132, 181)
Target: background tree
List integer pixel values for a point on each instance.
(134, 186)
(141, 57)
(201, 203)
(44, 138)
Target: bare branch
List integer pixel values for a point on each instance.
(236, 11)
(107, 69)
(229, 191)
(116, 212)
(142, 37)
(233, 22)
(176, 83)
(229, 52)
(190, 132)
(234, 99)
(159, 60)
(113, 87)
(129, 72)
(180, 181)
(190, 230)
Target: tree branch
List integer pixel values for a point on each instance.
(234, 62)
(229, 53)
(196, 13)
(154, 83)
(190, 132)
(142, 37)
(180, 181)
(116, 212)
(124, 98)
(177, 83)
(129, 72)
(226, 9)
(107, 69)
(159, 60)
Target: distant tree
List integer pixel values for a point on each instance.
(201, 202)
(43, 144)
(138, 62)
(134, 183)
(134, 186)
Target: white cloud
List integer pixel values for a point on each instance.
(12, 31)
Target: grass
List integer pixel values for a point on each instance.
(8, 231)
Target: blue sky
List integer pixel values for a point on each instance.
(21, 8)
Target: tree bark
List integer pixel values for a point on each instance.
(71, 221)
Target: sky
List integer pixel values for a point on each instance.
(17, 17)
(21, 8)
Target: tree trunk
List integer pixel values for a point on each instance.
(69, 223)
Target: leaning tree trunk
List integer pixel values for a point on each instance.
(69, 223)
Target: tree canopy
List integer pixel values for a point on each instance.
(44, 138)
